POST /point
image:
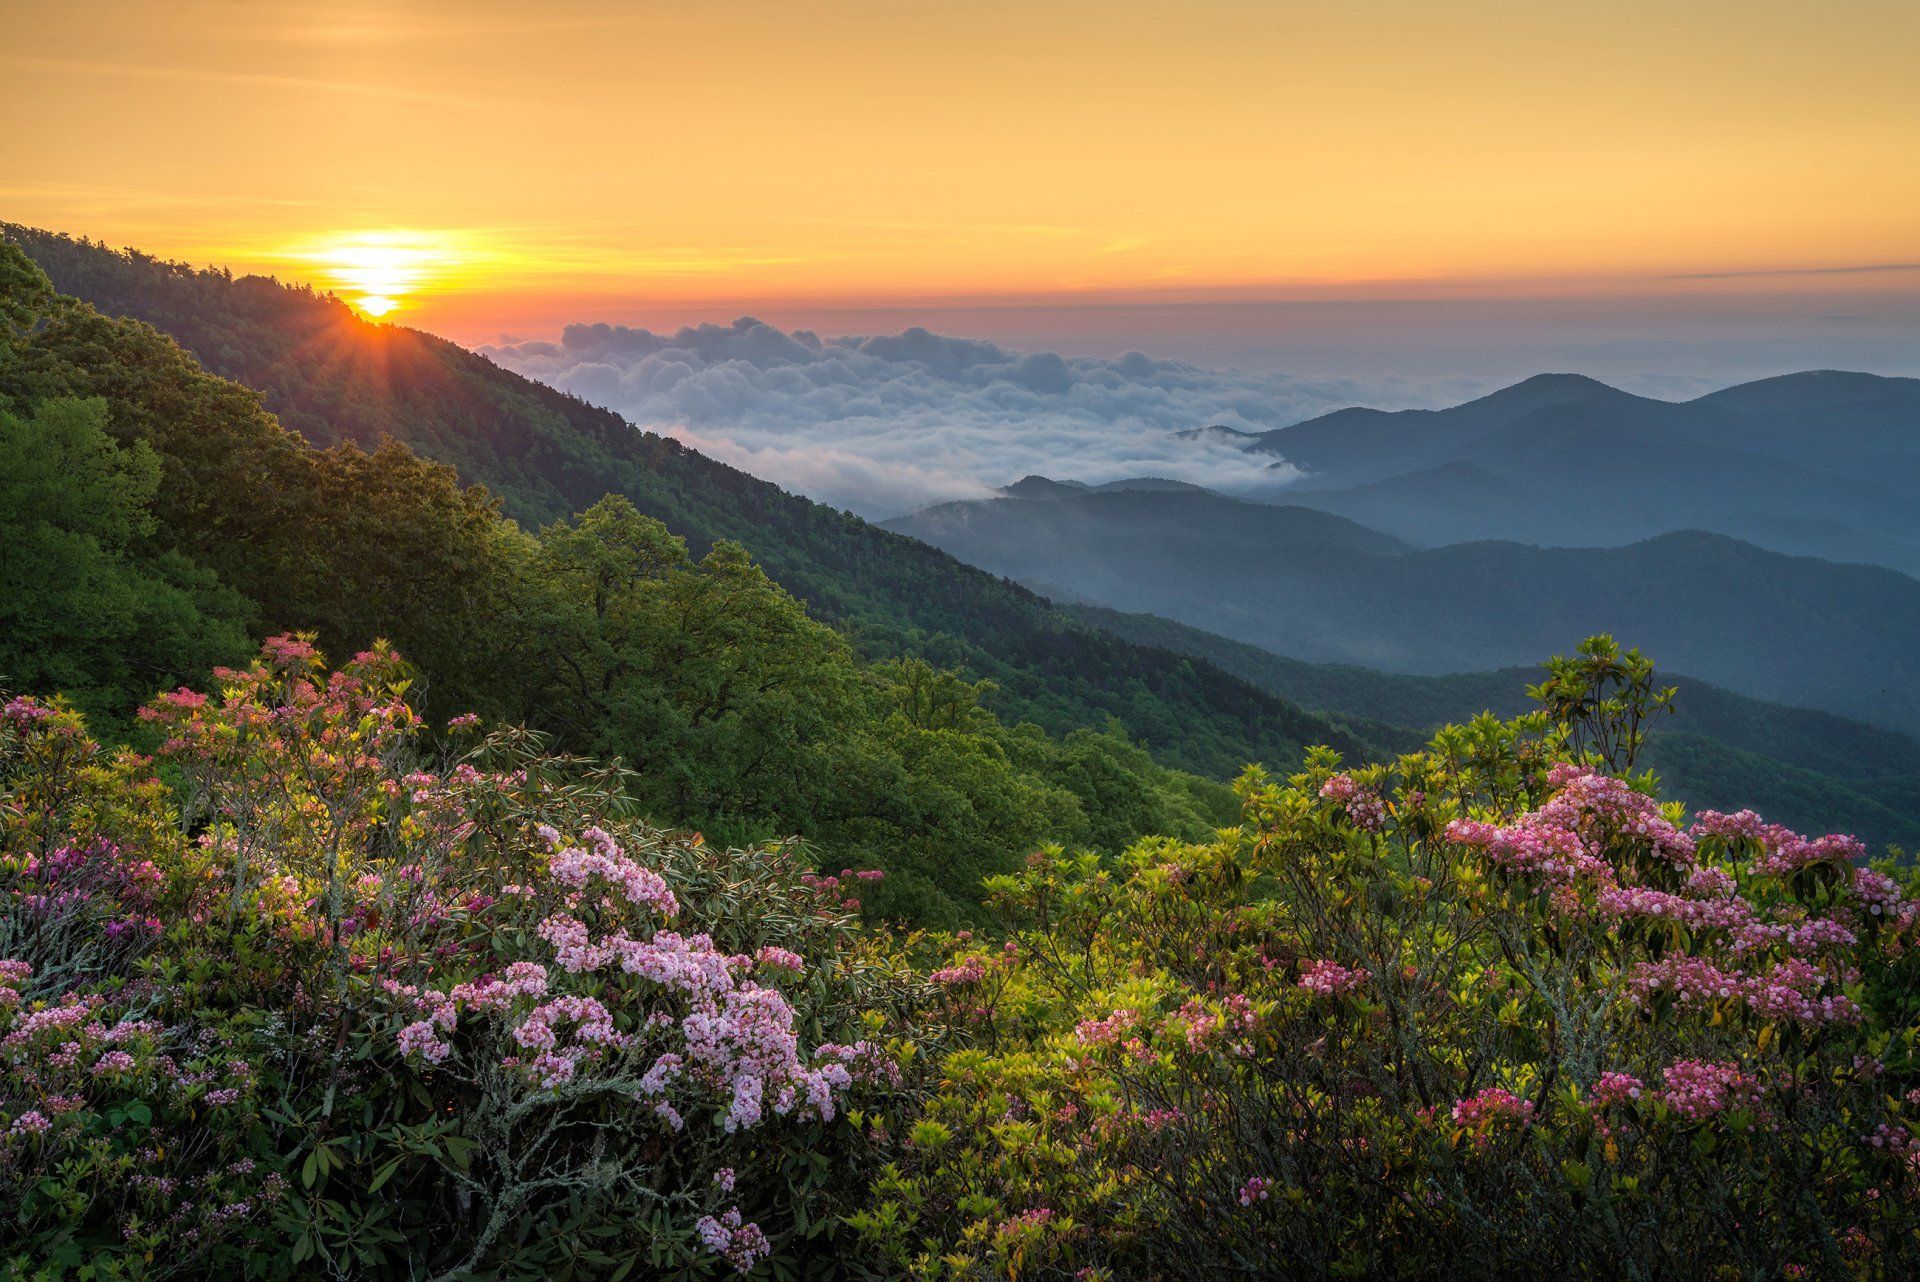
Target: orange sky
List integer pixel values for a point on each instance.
(532, 163)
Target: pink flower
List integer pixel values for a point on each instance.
(1108, 1031)
(575, 866)
(31, 1122)
(1331, 979)
(1494, 1106)
(1697, 1089)
(422, 1038)
(1364, 807)
(970, 971)
(741, 1245)
(780, 959)
(1617, 1088)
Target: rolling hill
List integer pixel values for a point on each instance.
(1818, 771)
(1821, 463)
(333, 377)
(337, 378)
(1314, 586)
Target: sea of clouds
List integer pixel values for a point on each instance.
(886, 423)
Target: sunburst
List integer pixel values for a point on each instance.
(378, 272)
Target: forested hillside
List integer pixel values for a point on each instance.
(1315, 586)
(333, 975)
(543, 454)
(1718, 749)
(160, 521)
(335, 378)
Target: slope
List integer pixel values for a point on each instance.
(1795, 630)
(334, 377)
(1816, 771)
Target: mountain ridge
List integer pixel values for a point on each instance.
(332, 376)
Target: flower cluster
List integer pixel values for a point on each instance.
(1365, 808)
(1618, 1088)
(1490, 1107)
(1330, 978)
(741, 1245)
(970, 971)
(1777, 851)
(425, 943)
(603, 858)
(1697, 1089)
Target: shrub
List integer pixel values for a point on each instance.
(332, 1004)
(1488, 1010)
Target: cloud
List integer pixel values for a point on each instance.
(888, 422)
(1847, 269)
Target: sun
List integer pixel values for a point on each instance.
(377, 272)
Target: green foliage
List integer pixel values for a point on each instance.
(89, 603)
(1808, 769)
(357, 1012)
(334, 378)
(1603, 697)
(739, 713)
(1485, 1012)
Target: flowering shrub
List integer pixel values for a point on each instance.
(1496, 1008)
(347, 1008)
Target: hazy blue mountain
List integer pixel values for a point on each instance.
(1818, 771)
(1824, 463)
(1045, 487)
(1312, 585)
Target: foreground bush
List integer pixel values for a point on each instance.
(1492, 1011)
(341, 1011)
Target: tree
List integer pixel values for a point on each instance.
(88, 605)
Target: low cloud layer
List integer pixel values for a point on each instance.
(886, 423)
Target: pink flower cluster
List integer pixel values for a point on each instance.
(741, 1245)
(1490, 1107)
(970, 971)
(1199, 1026)
(25, 710)
(736, 1038)
(31, 1122)
(1726, 913)
(839, 888)
(774, 958)
(12, 975)
(1617, 1088)
(558, 1059)
(1792, 989)
(1108, 1031)
(1258, 1188)
(1569, 836)
(1780, 850)
(1877, 892)
(575, 866)
(1529, 845)
(1365, 808)
(747, 1045)
(1331, 979)
(1697, 1089)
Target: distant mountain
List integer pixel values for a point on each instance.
(1822, 463)
(1316, 586)
(1817, 771)
(1045, 487)
(334, 377)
